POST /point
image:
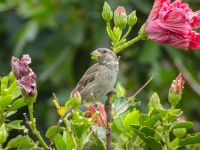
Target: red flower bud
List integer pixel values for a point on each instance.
(177, 85)
(176, 90)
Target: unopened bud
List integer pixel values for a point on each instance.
(176, 90)
(179, 132)
(75, 99)
(154, 101)
(120, 17)
(107, 13)
(132, 19)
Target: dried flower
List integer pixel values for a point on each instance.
(172, 23)
(100, 119)
(176, 90)
(26, 78)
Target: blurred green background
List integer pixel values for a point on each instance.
(60, 34)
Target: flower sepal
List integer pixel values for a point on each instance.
(30, 99)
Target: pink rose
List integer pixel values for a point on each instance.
(172, 23)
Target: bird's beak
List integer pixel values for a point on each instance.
(95, 55)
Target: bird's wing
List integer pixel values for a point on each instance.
(87, 77)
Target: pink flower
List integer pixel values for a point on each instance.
(120, 10)
(26, 78)
(181, 119)
(172, 23)
(100, 119)
(177, 85)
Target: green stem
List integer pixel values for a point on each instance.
(33, 127)
(109, 31)
(127, 33)
(167, 141)
(127, 44)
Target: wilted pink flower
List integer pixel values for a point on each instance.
(177, 85)
(172, 23)
(26, 78)
(100, 119)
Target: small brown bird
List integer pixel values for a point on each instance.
(100, 78)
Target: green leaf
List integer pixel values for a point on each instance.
(185, 124)
(59, 142)
(155, 101)
(20, 142)
(131, 119)
(152, 121)
(148, 135)
(4, 84)
(17, 104)
(68, 141)
(175, 144)
(53, 131)
(5, 101)
(122, 105)
(16, 124)
(118, 125)
(191, 139)
(14, 90)
(94, 143)
(79, 125)
(120, 90)
(169, 114)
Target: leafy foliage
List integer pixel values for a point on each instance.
(56, 40)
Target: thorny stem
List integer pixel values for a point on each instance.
(33, 127)
(108, 109)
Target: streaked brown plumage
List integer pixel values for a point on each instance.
(100, 78)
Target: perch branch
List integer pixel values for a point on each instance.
(108, 109)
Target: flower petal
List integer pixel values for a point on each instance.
(195, 20)
(194, 41)
(156, 8)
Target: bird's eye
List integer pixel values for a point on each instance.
(104, 51)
